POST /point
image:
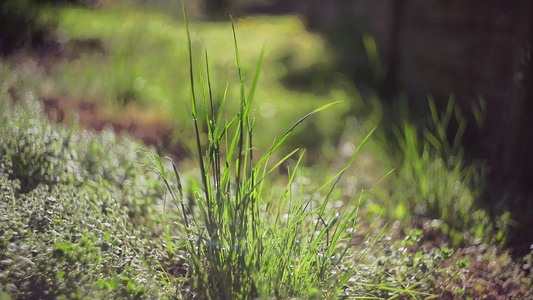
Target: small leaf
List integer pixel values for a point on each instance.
(60, 274)
(6, 261)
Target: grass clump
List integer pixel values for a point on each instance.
(245, 242)
(434, 181)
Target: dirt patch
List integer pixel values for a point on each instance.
(144, 126)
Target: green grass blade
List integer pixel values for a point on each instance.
(243, 116)
(449, 109)
(218, 135)
(286, 135)
(194, 116)
(256, 79)
(204, 102)
(433, 141)
(209, 83)
(350, 162)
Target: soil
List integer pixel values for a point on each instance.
(151, 131)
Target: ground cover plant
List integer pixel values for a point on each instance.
(69, 202)
(74, 239)
(87, 221)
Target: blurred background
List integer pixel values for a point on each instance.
(455, 75)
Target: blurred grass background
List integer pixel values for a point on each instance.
(140, 57)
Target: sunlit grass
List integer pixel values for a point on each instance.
(145, 58)
(144, 65)
(143, 62)
(244, 243)
(252, 223)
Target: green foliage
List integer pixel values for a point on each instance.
(433, 180)
(138, 47)
(33, 152)
(36, 152)
(420, 270)
(79, 218)
(68, 201)
(244, 242)
(62, 241)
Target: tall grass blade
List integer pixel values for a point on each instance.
(350, 162)
(194, 112)
(288, 132)
(243, 110)
(256, 77)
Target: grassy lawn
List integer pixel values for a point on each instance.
(97, 215)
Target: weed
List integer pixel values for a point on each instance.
(244, 243)
(434, 182)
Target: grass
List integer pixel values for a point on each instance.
(244, 243)
(139, 46)
(88, 221)
(433, 181)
